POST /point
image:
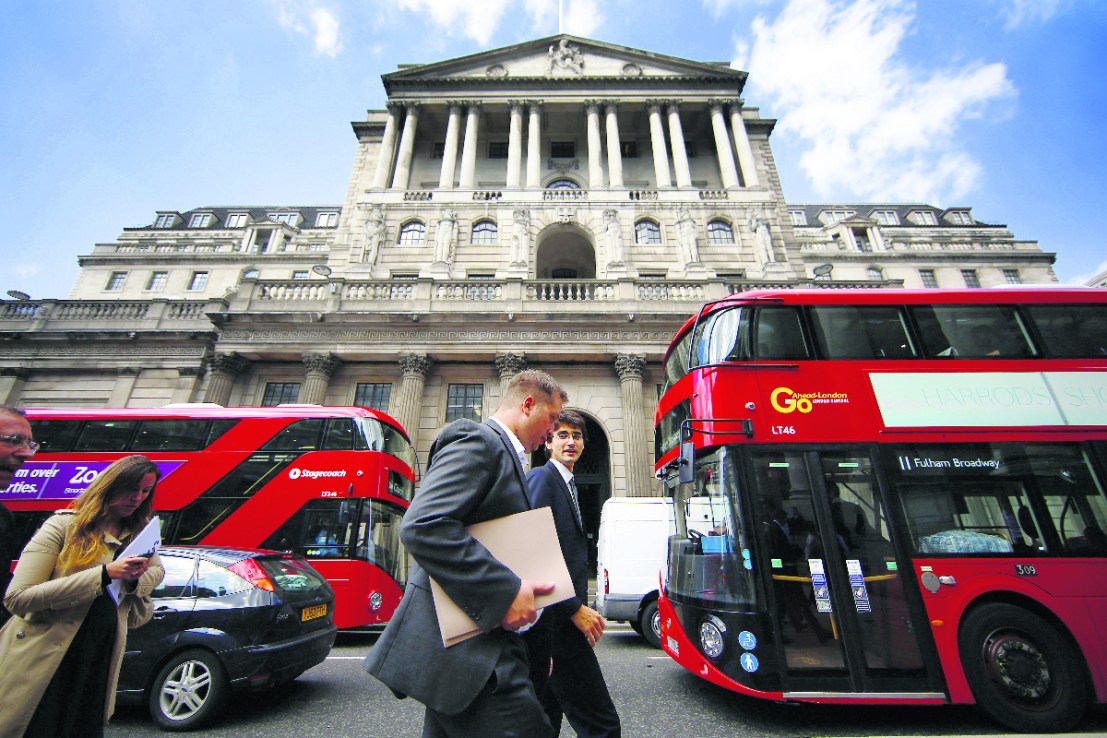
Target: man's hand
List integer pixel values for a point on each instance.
(589, 622)
(522, 611)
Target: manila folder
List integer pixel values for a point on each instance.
(527, 544)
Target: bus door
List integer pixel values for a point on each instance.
(844, 619)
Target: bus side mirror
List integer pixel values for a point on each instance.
(685, 473)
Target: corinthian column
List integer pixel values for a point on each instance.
(614, 150)
(405, 406)
(407, 148)
(388, 148)
(449, 149)
(225, 368)
(595, 162)
(722, 145)
(508, 365)
(676, 140)
(515, 145)
(319, 367)
(657, 141)
(534, 145)
(630, 368)
(469, 148)
(742, 145)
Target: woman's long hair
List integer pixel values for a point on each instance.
(85, 542)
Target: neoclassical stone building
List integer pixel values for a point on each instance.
(562, 203)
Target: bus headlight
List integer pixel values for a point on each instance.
(712, 637)
(375, 601)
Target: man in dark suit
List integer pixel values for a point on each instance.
(16, 447)
(568, 631)
(479, 687)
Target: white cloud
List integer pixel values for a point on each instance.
(582, 17)
(718, 7)
(1021, 12)
(874, 126)
(475, 20)
(25, 271)
(1083, 279)
(313, 21)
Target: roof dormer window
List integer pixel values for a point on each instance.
(200, 220)
(886, 217)
(166, 220)
(830, 217)
(237, 220)
(288, 217)
(959, 217)
(326, 220)
(799, 218)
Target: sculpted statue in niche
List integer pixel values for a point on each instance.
(563, 56)
(612, 241)
(374, 234)
(686, 235)
(763, 238)
(520, 237)
(445, 237)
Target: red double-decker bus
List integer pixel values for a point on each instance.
(903, 494)
(330, 483)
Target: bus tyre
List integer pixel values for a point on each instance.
(1022, 671)
(190, 689)
(650, 624)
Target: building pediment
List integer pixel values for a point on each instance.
(564, 57)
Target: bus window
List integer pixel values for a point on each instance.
(105, 435)
(55, 435)
(1073, 498)
(171, 435)
(400, 486)
(340, 435)
(850, 332)
(303, 435)
(676, 363)
(379, 540)
(971, 331)
(1071, 331)
(723, 336)
(321, 528)
(779, 334)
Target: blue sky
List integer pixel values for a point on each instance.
(111, 110)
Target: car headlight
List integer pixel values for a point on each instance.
(712, 637)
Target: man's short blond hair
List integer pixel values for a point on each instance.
(533, 382)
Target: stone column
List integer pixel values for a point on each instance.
(449, 150)
(408, 401)
(676, 141)
(508, 365)
(469, 149)
(388, 148)
(124, 385)
(657, 139)
(534, 145)
(407, 148)
(320, 368)
(515, 145)
(188, 379)
(636, 454)
(742, 145)
(12, 380)
(614, 150)
(224, 368)
(722, 145)
(595, 162)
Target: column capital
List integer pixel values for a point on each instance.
(415, 365)
(413, 107)
(516, 105)
(535, 106)
(474, 105)
(394, 106)
(455, 105)
(508, 365)
(611, 106)
(593, 105)
(716, 103)
(630, 366)
(230, 365)
(655, 106)
(324, 364)
(673, 106)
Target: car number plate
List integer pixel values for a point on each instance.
(310, 613)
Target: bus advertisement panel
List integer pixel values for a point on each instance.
(908, 496)
(330, 483)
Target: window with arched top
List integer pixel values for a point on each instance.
(719, 231)
(646, 231)
(413, 233)
(484, 232)
(563, 184)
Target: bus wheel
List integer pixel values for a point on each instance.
(650, 623)
(1023, 673)
(188, 690)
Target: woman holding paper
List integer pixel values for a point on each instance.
(60, 653)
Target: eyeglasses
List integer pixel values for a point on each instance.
(18, 442)
(566, 435)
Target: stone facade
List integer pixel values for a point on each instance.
(563, 204)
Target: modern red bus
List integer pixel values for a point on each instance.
(330, 483)
(903, 493)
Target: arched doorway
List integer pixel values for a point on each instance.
(592, 474)
(565, 252)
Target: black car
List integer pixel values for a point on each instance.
(225, 619)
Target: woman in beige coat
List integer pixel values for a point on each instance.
(60, 653)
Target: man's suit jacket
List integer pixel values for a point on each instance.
(547, 488)
(473, 475)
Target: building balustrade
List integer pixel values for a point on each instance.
(647, 195)
(714, 195)
(565, 195)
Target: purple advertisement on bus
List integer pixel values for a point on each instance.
(62, 480)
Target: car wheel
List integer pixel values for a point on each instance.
(1022, 671)
(650, 623)
(188, 690)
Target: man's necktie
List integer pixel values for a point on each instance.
(576, 501)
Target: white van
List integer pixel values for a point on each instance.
(630, 557)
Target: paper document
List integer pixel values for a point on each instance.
(527, 544)
(145, 544)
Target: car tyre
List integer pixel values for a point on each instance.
(650, 623)
(189, 690)
(1024, 673)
